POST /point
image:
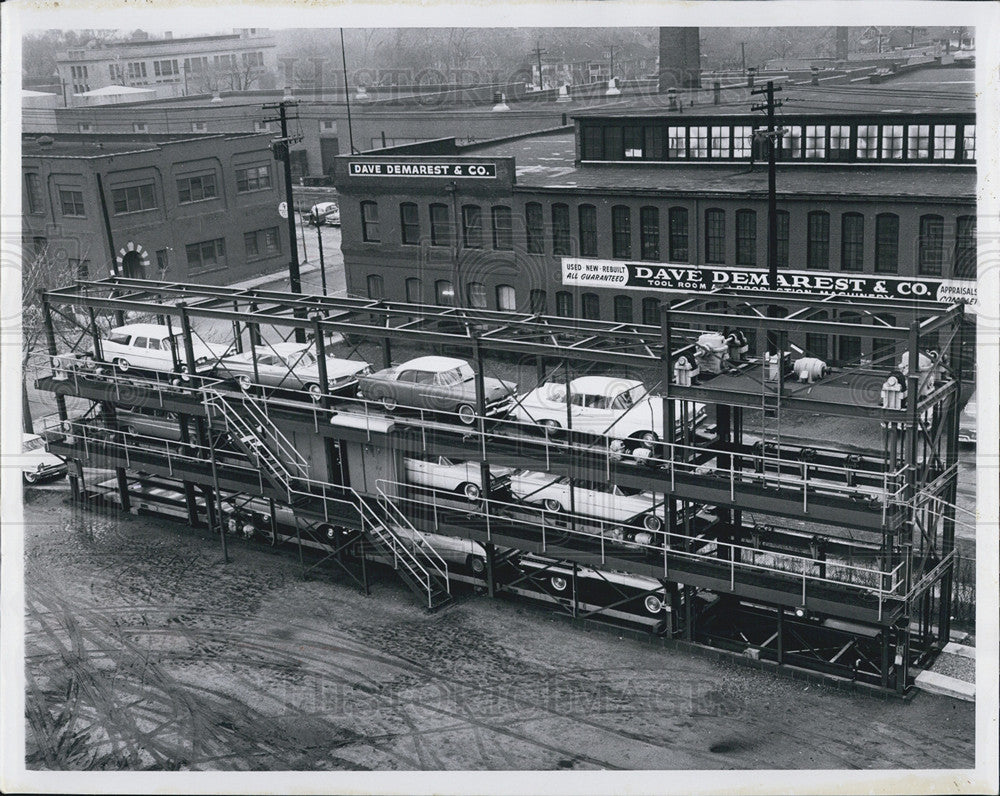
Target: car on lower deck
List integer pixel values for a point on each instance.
(462, 478)
(37, 464)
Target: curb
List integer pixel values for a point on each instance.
(941, 684)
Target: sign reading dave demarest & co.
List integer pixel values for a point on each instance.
(665, 276)
(401, 169)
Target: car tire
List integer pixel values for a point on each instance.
(30, 478)
(130, 430)
(466, 414)
(549, 425)
(558, 582)
(471, 491)
(477, 565)
(389, 403)
(652, 604)
(122, 364)
(652, 523)
(245, 383)
(553, 506)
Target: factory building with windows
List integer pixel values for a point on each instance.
(640, 204)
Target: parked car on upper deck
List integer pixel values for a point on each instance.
(440, 384)
(290, 366)
(604, 405)
(151, 346)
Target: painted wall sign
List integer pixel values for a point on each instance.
(673, 277)
(397, 169)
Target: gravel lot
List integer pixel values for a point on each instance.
(145, 651)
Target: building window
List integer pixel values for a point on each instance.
(444, 293)
(649, 233)
(654, 142)
(262, 127)
(72, 203)
(252, 60)
(195, 189)
(651, 311)
(539, 302)
(409, 223)
(715, 236)
(918, 143)
(503, 236)
(746, 237)
(633, 142)
(818, 240)
(815, 142)
(328, 126)
(621, 232)
(892, 142)
(742, 141)
(944, 141)
(136, 69)
(852, 241)
(472, 226)
(414, 290)
(560, 229)
(139, 127)
(698, 142)
(564, 304)
(165, 68)
(84, 127)
(590, 306)
(721, 141)
(965, 247)
(206, 256)
(476, 292)
(535, 227)
(840, 142)
(506, 298)
(161, 261)
(623, 309)
(614, 143)
(253, 178)
(782, 229)
(886, 243)
(791, 142)
(930, 253)
(199, 127)
(376, 287)
(588, 231)
(440, 225)
(849, 345)
(33, 189)
(593, 143)
(867, 141)
(369, 222)
(676, 142)
(133, 199)
(262, 243)
(677, 220)
(817, 345)
(969, 142)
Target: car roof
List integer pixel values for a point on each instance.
(432, 363)
(595, 385)
(146, 329)
(285, 348)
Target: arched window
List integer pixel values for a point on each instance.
(621, 232)
(678, 222)
(930, 252)
(472, 226)
(715, 235)
(376, 287)
(506, 298)
(782, 225)
(965, 247)
(651, 311)
(746, 237)
(444, 293)
(623, 309)
(886, 243)
(409, 224)
(503, 237)
(534, 227)
(539, 302)
(649, 233)
(477, 295)
(414, 290)
(590, 306)
(564, 304)
(440, 225)
(560, 229)
(818, 240)
(852, 241)
(588, 231)
(369, 223)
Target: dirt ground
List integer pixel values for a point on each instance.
(145, 651)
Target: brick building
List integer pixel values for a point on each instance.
(200, 209)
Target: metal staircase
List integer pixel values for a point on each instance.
(383, 525)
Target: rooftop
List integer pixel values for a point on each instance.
(83, 145)
(546, 161)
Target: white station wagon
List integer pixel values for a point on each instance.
(604, 405)
(151, 346)
(601, 501)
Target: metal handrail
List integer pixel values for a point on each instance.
(439, 564)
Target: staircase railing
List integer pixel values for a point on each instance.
(431, 556)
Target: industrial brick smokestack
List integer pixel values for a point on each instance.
(680, 58)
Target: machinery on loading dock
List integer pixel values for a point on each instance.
(797, 551)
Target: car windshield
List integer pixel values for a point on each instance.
(300, 359)
(457, 375)
(33, 444)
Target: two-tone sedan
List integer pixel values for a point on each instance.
(618, 408)
(291, 366)
(607, 503)
(462, 478)
(438, 384)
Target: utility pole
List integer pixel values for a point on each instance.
(743, 55)
(772, 136)
(538, 55)
(347, 92)
(281, 147)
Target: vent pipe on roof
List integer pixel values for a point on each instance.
(613, 90)
(672, 99)
(563, 93)
(216, 97)
(44, 140)
(501, 103)
(751, 74)
(716, 92)
(815, 75)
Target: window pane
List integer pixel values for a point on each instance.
(867, 141)
(930, 255)
(965, 247)
(506, 298)
(564, 304)
(477, 295)
(593, 143)
(715, 236)
(852, 238)
(369, 222)
(414, 291)
(781, 224)
(539, 304)
(503, 237)
(633, 142)
(918, 141)
(623, 309)
(840, 142)
(944, 141)
(409, 223)
(560, 229)
(472, 227)
(614, 144)
(654, 142)
(676, 142)
(440, 225)
(886, 243)
(720, 141)
(791, 142)
(590, 306)
(651, 311)
(621, 231)
(969, 142)
(376, 288)
(649, 223)
(892, 142)
(444, 292)
(588, 231)
(698, 142)
(746, 237)
(742, 141)
(818, 242)
(534, 226)
(678, 220)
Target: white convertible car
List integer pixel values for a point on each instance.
(619, 408)
(602, 501)
(463, 478)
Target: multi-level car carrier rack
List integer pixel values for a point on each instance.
(802, 552)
